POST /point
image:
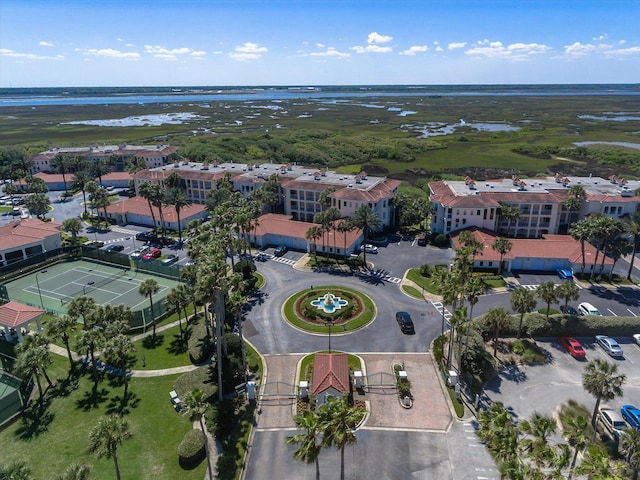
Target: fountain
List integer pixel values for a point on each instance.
(329, 303)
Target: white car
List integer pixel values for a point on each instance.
(139, 252)
(585, 308)
(636, 338)
(368, 248)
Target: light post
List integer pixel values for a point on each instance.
(38, 284)
(329, 323)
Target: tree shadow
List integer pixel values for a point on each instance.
(35, 421)
(63, 388)
(152, 342)
(92, 399)
(123, 405)
(178, 345)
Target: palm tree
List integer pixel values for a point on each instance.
(522, 301)
(572, 204)
(16, 470)
(313, 234)
(195, 405)
(510, 212)
(179, 199)
(81, 308)
(596, 465)
(339, 420)
(37, 203)
(475, 246)
(72, 226)
(536, 444)
(33, 359)
(59, 327)
(345, 227)
(496, 428)
(497, 318)
(106, 436)
(174, 301)
(547, 293)
(100, 199)
(120, 351)
(502, 246)
(75, 471)
(630, 448)
(61, 164)
(149, 288)
(80, 182)
(602, 380)
(309, 447)
(581, 231)
(576, 433)
(567, 291)
(148, 191)
(365, 220)
(619, 247)
(88, 342)
(633, 227)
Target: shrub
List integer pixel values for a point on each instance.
(191, 449)
(200, 344)
(220, 417)
(517, 347)
(425, 270)
(438, 353)
(440, 241)
(202, 378)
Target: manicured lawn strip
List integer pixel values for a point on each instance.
(260, 281)
(425, 282)
(254, 362)
(414, 292)
(365, 317)
(167, 351)
(64, 426)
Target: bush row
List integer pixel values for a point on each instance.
(191, 449)
(199, 340)
(202, 378)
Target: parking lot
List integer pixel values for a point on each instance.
(542, 388)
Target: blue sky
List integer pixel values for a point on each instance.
(309, 42)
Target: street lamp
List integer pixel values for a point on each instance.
(38, 284)
(329, 323)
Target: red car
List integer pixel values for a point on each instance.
(153, 253)
(573, 347)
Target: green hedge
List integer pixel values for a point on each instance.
(191, 450)
(202, 378)
(199, 341)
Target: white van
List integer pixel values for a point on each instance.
(586, 308)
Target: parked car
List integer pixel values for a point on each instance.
(631, 414)
(613, 422)
(367, 247)
(170, 259)
(145, 236)
(573, 346)
(16, 211)
(280, 251)
(585, 308)
(422, 241)
(568, 310)
(405, 322)
(636, 338)
(94, 244)
(565, 274)
(116, 247)
(139, 252)
(609, 345)
(151, 254)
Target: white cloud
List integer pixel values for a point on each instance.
(320, 45)
(514, 51)
(371, 49)
(248, 51)
(600, 38)
(456, 45)
(198, 53)
(578, 49)
(44, 43)
(375, 37)
(172, 54)
(5, 52)
(330, 52)
(623, 52)
(439, 49)
(108, 52)
(415, 49)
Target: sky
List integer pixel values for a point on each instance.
(64, 43)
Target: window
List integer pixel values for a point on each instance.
(478, 212)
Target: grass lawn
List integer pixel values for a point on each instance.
(306, 364)
(167, 351)
(52, 438)
(425, 282)
(414, 292)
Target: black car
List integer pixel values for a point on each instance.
(279, 251)
(405, 322)
(569, 310)
(114, 248)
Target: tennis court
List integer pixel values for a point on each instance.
(54, 287)
(10, 398)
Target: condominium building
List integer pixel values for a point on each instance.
(118, 155)
(541, 200)
(300, 187)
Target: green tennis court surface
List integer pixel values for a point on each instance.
(54, 287)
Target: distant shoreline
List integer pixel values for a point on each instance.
(34, 97)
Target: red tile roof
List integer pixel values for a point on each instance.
(378, 192)
(116, 176)
(14, 314)
(26, 231)
(275, 224)
(551, 246)
(330, 370)
(139, 206)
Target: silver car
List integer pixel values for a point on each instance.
(609, 345)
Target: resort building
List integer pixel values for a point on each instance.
(541, 201)
(117, 155)
(300, 187)
(24, 238)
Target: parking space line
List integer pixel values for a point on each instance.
(629, 310)
(612, 312)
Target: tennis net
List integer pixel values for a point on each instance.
(92, 286)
